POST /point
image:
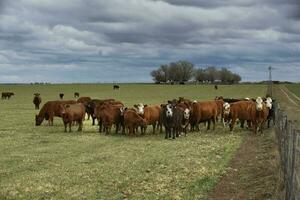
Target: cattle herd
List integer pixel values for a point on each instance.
(177, 116)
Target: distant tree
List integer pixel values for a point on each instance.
(200, 75)
(182, 71)
(158, 75)
(212, 74)
(225, 75)
(186, 70)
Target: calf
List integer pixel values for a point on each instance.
(37, 101)
(73, 113)
(132, 121)
(151, 114)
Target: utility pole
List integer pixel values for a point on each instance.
(270, 81)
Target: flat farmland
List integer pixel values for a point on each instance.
(295, 88)
(45, 163)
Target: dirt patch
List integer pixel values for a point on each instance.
(253, 173)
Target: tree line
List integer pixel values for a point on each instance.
(183, 71)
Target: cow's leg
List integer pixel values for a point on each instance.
(166, 136)
(109, 128)
(214, 123)
(93, 119)
(174, 132)
(242, 123)
(51, 120)
(208, 124)
(254, 127)
(269, 120)
(70, 125)
(123, 128)
(117, 128)
(79, 125)
(153, 130)
(100, 128)
(232, 123)
(65, 124)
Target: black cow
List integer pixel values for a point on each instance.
(76, 94)
(116, 87)
(7, 95)
(61, 95)
(270, 103)
(172, 118)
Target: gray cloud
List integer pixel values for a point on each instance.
(116, 40)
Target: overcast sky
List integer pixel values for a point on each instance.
(124, 40)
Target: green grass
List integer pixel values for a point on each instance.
(46, 163)
(295, 88)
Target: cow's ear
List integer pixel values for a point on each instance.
(136, 106)
(145, 105)
(169, 102)
(125, 108)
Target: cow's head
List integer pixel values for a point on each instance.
(259, 103)
(269, 102)
(226, 108)
(38, 120)
(122, 110)
(186, 113)
(169, 110)
(139, 108)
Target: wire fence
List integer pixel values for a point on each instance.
(289, 149)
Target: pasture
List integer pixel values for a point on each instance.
(295, 88)
(46, 163)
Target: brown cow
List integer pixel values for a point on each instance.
(49, 110)
(205, 111)
(84, 100)
(108, 114)
(255, 113)
(72, 113)
(90, 106)
(220, 104)
(186, 108)
(152, 114)
(132, 121)
(37, 101)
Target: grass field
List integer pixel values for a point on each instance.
(46, 163)
(295, 88)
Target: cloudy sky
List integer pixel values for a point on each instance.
(124, 40)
